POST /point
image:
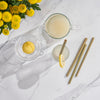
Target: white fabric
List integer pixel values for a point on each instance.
(10, 63)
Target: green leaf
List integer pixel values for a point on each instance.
(1, 28)
(9, 25)
(22, 15)
(35, 7)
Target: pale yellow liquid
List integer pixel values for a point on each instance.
(57, 26)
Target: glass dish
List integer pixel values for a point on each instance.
(21, 41)
(56, 52)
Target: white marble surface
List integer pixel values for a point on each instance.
(84, 14)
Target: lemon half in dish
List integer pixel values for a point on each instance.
(28, 47)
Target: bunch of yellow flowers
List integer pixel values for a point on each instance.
(12, 11)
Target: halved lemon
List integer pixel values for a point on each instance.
(28, 47)
(61, 61)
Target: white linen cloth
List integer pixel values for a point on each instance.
(10, 62)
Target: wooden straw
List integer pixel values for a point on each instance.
(63, 46)
(71, 67)
(77, 64)
(85, 56)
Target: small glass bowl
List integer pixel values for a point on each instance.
(44, 25)
(21, 41)
(56, 52)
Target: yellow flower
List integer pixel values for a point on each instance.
(19, 0)
(38, 1)
(11, 9)
(6, 16)
(3, 5)
(32, 1)
(1, 23)
(5, 26)
(5, 31)
(22, 8)
(16, 19)
(0, 15)
(15, 9)
(30, 12)
(15, 25)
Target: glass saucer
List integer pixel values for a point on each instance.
(21, 41)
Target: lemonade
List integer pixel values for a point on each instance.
(57, 25)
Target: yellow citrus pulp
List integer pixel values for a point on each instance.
(28, 47)
(61, 61)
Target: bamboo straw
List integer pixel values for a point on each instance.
(77, 64)
(63, 46)
(71, 67)
(85, 56)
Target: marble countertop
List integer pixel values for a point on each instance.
(84, 16)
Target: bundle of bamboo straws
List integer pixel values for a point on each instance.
(78, 59)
